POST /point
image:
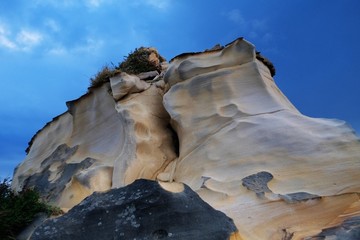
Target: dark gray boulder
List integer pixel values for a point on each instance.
(348, 230)
(141, 210)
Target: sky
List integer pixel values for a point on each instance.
(49, 49)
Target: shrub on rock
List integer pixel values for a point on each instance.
(103, 76)
(19, 210)
(142, 60)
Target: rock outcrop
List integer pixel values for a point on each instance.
(249, 152)
(101, 142)
(141, 210)
(218, 123)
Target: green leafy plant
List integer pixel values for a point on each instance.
(17, 210)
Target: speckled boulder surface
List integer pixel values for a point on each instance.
(141, 210)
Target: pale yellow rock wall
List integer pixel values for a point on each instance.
(151, 134)
(109, 143)
(233, 122)
(54, 134)
(88, 126)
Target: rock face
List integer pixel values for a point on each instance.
(218, 123)
(102, 141)
(248, 152)
(141, 210)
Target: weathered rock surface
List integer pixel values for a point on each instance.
(218, 123)
(348, 230)
(99, 143)
(148, 75)
(249, 152)
(141, 210)
(124, 84)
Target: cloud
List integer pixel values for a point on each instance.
(52, 25)
(235, 16)
(267, 37)
(161, 4)
(27, 39)
(251, 28)
(258, 24)
(4, 39)
(5, 42)
(55, 3)
(157, 4)
(90, 46)
(58, 51)
(93, 3)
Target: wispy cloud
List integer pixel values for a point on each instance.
(4, 38)
(52, 25)
(156, 4)
(57, 51)
(55, 3)
(235, 16)
(22, 40)
(27, 39)
(92, 4)
(160, 4)
(89, 46)
(258, 24)
(253, 28)
(5, 42)
(63, 33)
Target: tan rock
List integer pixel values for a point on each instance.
(148, 75)
(99, 143)
(154, 56)
(243, 147)
(249, 152)
(151, 134)
(123, 84)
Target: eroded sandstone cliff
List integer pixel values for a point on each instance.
(217, 122)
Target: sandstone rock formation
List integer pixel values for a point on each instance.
(102, 141)
(141, 210)
(218, 123)
(248, 152)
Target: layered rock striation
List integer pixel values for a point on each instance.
(218, 123)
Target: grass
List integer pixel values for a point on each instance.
(103, 76)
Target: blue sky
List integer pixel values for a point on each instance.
(50, 48)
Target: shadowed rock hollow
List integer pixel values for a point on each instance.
(217, 122)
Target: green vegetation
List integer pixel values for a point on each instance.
(136, 62)
(103, 76)
(139, 61)
(18, 210)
